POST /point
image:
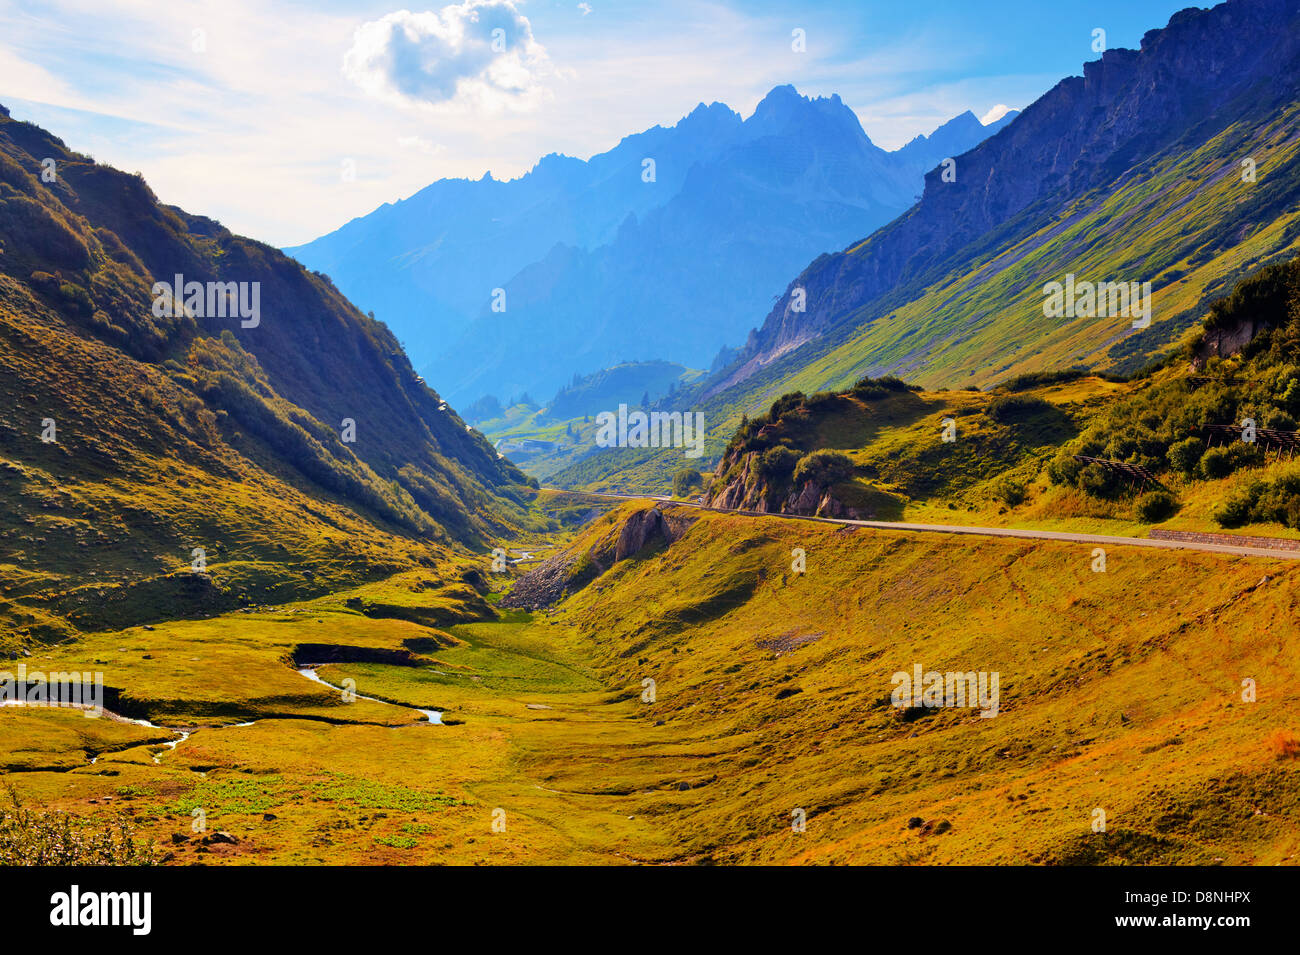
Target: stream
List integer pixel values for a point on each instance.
(434, 717)
(309, 671)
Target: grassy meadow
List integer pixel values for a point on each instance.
(1120, 691)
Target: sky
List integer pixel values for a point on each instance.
(284, 119)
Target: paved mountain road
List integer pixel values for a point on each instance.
(1102, 540)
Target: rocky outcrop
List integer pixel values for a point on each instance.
(746, 491)
(644, 528)
(544, 585)
(641, 532)
(1222, 342)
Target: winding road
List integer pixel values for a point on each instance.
(1101, 540)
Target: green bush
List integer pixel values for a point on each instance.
(1099, 481)
(1039, 379)
(1245, 454)
(1005, 409)
(1155, 506)
(1009, 492)
(1151, 427)
(1262, 502)
(686, 480)
(1215, 463)
(1185, 455)
(1235, 511)
(824, 467)
(776, 464)
(1063, 469)
(787, 402)
(869, 388)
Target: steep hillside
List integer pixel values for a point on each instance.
(1211, 434)
(765, 696)
(267, 422)
(1131, 173)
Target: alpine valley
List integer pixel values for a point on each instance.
(358, 584)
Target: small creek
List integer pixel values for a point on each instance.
(309, 671)
(432, 716)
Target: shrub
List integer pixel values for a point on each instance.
(1009, 492)
(1063, 469)
(821, 401)
(685, 480)
(1037, 379)
(785, 403)
(1264, 501)
(1245, 454)
(1155, 506)
(1235, 511)
(1278, 500)
(869, 388)
(824, 467)
(77, 297)
(776, 464)
(1185, 455)
(1007, 408)
(1215, 463)
(28, 837)
(1098, 481)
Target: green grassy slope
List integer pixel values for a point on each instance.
(1120, 690)
(1184, 221)
(171, 433)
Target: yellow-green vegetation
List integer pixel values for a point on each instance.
(1213, 429)
(298, 450)
(947, 298)
(881, 452)
(36, 838)
(1120, 690)
(550, 439)
(1182, 219)
(771, 692)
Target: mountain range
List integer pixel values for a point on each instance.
(664, 247)
(1133, 172)
(1172, 164)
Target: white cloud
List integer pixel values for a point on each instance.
(995, 114)
(420, 143)
(254, 132)
(479, 54)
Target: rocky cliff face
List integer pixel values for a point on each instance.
(1222, 342)
(744, 490)
(1197, 74)
(747, 479)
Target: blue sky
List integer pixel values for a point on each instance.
(286, 118)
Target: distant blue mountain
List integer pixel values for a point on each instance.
(600, 266)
